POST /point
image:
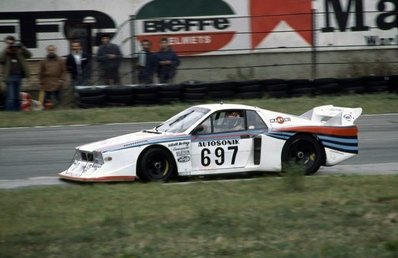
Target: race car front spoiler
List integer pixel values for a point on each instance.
(98, 179)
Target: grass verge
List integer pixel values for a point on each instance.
(341, 216)
(371, 103)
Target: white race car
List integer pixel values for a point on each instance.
(222, 138)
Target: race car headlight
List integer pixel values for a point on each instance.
(98, 159)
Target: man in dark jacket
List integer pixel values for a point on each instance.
(78, 65)
(15, 68)
(109, 58)
(146, 64)
(168, 62)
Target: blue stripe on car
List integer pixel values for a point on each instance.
(174, 139)
(344, 144)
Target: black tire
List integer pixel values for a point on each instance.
(302, 152)
(156, 164)
(90, 92)
(146, 96)
(169, 94)
(222, 86)
(277, 87)
(94, 100)
(248, 88)
(330, 88)
(145, 89)
(250, 95)
(197, 89)
(352, 88)
(393, 83)
(194, 96)
(222, 94)
(118, 90)
(299, 84)
(171, 87)
(267, 82)
(376, 86)
(122, 99)
(323, 81)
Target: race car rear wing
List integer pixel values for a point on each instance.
(334, 116)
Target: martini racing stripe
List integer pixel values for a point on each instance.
(344, 144)
(148, 142)
(340, 147)
(349, 145)
(347, 141)
(280, 135)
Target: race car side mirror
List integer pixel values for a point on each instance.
(198, 129)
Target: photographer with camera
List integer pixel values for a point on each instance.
(15, 68)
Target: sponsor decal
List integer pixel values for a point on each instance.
(184, 159)
(359, 22)
(192, 28)
(182, 153)
(267, 14)
(218, 143)
(180, 144)
(348, 117)
(280, 120)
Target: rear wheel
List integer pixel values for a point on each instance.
(156, 164)
(303, 153)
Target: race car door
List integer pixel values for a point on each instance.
(222, 142)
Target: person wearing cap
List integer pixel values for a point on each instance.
(168, 62)
(146, 63)
(15, 68)
(109, 58)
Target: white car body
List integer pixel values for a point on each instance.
(257, 147)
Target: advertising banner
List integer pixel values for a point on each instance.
(205, 27)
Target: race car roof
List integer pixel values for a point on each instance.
(222, 106)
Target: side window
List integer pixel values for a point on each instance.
(225, 121)
(229, 120)
(254, 121)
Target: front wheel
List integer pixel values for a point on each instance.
(156, 164)
(303, 153)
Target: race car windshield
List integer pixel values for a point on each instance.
(183, 120)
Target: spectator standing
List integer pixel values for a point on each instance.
(146, 64)
(15, 68)
(168, 62)
(52, 75)
(109, 58)
(78, 65)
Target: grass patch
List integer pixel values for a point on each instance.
(341, 216)
(371, 103)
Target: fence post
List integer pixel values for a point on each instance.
(314, 65)
(133, 48)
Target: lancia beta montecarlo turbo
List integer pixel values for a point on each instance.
(222, 138)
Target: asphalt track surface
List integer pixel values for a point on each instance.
(34, 156)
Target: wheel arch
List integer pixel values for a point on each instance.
(155, 146)
(314, 136)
